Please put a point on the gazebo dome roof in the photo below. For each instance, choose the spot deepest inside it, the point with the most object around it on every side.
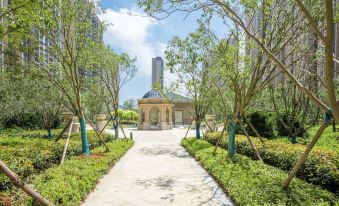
(152, 94)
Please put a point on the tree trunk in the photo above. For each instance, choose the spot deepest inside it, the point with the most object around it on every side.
(84, 140)
(231, 130)
(305, 154)
(329, 63)
(116, 122)
(20, 184)
(197, 130)
(116, 129)
(49, 133)
(220, 137)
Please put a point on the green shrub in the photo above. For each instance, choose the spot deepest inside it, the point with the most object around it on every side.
(298, 128)
(129, 116)
(28, 156)
(128, 122)
(70, 183)
(19, 132)
(320, 168)
(262, 123)
(250, 182)
(30, 121)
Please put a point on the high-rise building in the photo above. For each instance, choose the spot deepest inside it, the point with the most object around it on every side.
(158, 72)
(41, 54)
(255, 26)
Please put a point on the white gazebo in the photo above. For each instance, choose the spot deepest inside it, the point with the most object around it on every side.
(154, 112)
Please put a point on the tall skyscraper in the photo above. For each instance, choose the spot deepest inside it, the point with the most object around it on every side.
(158, 71)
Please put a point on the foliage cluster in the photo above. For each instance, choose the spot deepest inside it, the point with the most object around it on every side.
(298, 128)
(320, 168)
(29, 156)
(270, 125)
(250, 182)
(128, 116)
(30, 121)
(70, 183)
(23, 133)
(28, 102)
(262, 122)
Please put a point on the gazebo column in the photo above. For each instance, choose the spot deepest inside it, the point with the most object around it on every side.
(163, 123)
(163, 113)
(140, 117)
(147, 115)
(147, 123)
(170, 123)
(140, 114)
(160, 114)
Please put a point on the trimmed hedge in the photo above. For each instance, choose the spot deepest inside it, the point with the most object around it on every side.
(18, 132)
(250, 182)
(70, 183)
(29, 156)
(262, 123)
(320, 168)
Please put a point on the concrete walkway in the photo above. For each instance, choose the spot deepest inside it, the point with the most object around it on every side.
(157, 171)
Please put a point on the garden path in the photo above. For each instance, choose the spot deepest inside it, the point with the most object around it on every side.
(157, 171)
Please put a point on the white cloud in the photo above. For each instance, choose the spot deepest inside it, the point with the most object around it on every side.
(128, 30)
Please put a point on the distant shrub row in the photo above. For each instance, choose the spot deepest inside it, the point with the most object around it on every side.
(266, 123)
(30, 121)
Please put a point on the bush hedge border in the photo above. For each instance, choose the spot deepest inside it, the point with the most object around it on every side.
(253, 182)
(70, 183)
(320, 168)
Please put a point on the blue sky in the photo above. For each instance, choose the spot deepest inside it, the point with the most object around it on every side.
(129, 30)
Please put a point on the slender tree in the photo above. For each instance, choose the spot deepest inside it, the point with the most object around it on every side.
(68, 31)
(188, 59)
(114, 72)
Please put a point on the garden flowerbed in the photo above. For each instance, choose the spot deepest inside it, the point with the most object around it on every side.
(250, 182)
(320, 168)
(70, 183)
(29, 156)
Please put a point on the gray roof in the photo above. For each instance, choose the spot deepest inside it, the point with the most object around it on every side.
(176, 97)
(152, 94)
(169, 95)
